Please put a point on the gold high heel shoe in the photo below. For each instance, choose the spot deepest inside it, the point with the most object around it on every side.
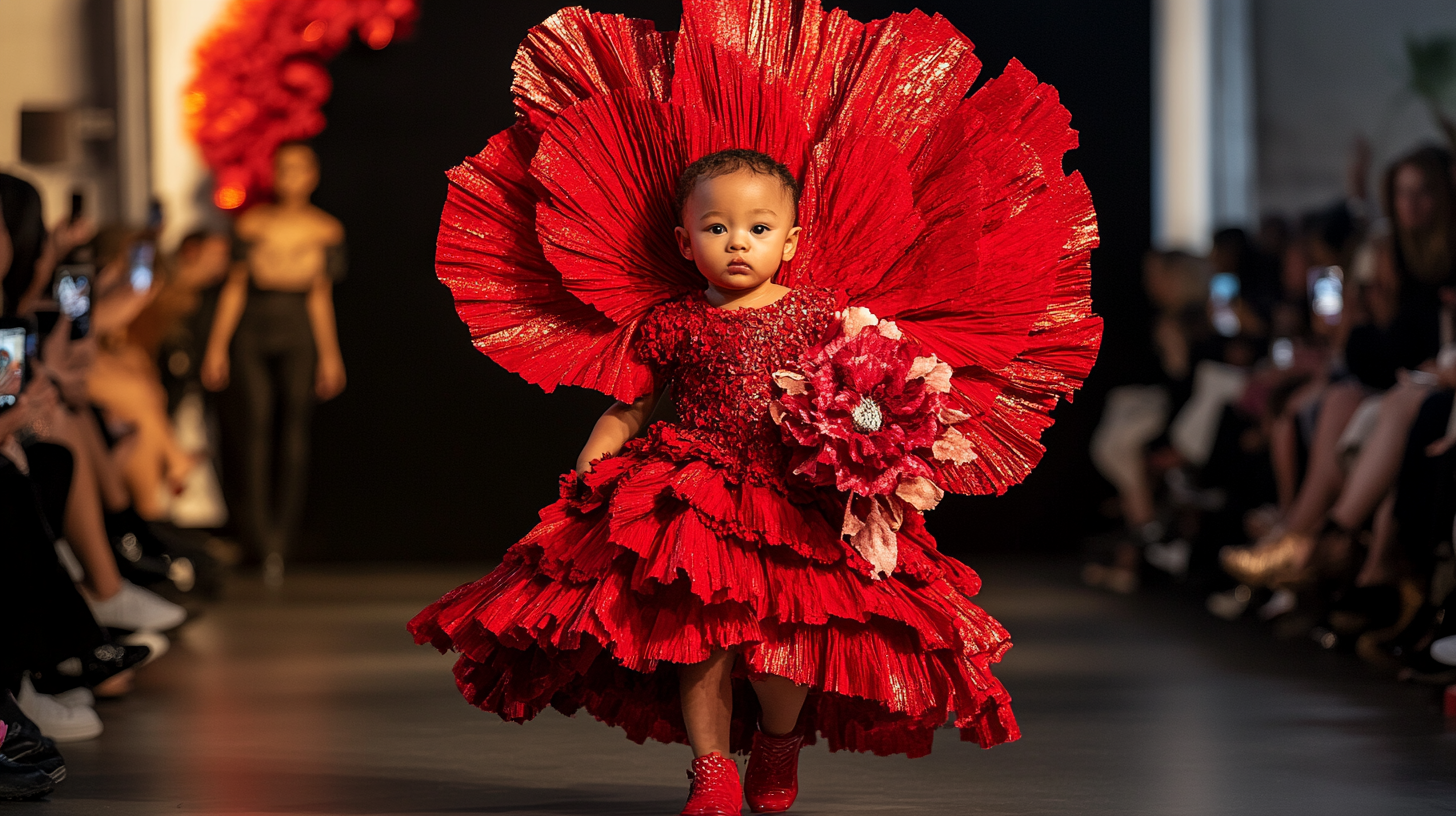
(1278, 563)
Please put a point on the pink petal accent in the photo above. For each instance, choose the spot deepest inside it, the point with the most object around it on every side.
(852, 524)
(776, 411)
(876, 541)
(856, 318)
(921, 367)
(953, 447)
(791, 381)
(920, 493)
(938, 380)
(889, 329)
(950, 416)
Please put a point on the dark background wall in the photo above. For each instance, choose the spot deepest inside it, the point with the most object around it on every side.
(434, 452)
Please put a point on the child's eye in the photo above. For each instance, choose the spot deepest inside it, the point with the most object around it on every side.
(717, 229)
(760, 229)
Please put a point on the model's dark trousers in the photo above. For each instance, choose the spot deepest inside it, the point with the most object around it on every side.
(273, 364)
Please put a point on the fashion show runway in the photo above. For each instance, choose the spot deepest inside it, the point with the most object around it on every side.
(316, 702)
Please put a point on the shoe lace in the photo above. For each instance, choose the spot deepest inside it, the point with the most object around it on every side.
(775, 760)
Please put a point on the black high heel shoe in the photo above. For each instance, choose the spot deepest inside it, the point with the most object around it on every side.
(1393, 647)
(91, 670)
(1356, 610)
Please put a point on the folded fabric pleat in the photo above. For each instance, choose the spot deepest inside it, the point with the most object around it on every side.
(657, 559)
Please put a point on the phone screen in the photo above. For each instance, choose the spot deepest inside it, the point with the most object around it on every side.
(12, 365)
(1327, 293)
(143, 257)
(73, 293)
(1223, 288)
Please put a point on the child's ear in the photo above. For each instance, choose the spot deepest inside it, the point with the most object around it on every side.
(791, 246)
(684, 243)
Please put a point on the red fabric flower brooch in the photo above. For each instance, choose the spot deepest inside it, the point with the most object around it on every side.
(866, 413)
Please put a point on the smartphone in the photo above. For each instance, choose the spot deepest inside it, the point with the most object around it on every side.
(78, 206)
(73, 293)
(1327, 293)
(143, 261)
(1223, 289)
(17, 344)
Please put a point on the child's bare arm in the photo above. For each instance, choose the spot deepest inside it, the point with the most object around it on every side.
(620, 423)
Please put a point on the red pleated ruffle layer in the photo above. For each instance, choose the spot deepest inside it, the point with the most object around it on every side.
(656, 558)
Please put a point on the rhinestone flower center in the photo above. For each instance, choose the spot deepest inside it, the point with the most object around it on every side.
(867, 416)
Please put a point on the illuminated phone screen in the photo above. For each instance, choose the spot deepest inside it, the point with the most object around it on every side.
(12, 364)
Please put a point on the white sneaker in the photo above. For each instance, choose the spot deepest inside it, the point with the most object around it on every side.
(1171, 558)
(155, 641)
(55, 719)
(1281, 602)
(1444, 650)
(79, 696)
(135, 608)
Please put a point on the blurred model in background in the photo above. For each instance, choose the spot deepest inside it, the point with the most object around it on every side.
(274, 339)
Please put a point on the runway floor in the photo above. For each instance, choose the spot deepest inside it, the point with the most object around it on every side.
(316, 702)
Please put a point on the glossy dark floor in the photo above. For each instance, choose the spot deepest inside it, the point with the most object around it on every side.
(316, 702)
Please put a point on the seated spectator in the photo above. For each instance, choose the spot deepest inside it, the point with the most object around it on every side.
(1136, 415)
(1333, 502)
(61, 493)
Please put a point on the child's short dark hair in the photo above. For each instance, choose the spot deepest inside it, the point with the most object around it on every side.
(728, 161)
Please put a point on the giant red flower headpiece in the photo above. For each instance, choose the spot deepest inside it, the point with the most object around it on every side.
(949, 214)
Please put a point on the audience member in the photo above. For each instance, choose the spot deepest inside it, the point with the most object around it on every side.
(1317, 419)
(71, 440)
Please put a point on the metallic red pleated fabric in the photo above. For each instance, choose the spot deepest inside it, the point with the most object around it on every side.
(949, 214)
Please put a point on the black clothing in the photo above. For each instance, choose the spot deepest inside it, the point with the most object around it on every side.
(23, 220)
(1375, 354)
(273, 365)
(1425, 497)
(47, 621)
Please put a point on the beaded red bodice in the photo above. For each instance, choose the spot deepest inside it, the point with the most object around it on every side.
(720, 362)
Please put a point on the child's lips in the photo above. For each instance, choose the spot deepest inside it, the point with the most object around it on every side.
(740, 265)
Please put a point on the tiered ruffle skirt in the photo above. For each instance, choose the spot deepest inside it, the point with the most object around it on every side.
(657, 558)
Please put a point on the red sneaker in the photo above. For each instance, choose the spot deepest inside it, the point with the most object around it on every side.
(772, 781)
(716, 790)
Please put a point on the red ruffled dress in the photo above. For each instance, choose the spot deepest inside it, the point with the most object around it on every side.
(946, 212)
(691, 540)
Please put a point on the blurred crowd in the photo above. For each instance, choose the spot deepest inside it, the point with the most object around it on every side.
(107, 483)
(1289, 451)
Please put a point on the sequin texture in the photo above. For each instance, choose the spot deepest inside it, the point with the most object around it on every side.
(720, 363)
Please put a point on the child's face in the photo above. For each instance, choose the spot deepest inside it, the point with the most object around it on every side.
(738, 228)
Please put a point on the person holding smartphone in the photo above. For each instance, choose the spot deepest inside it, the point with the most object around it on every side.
(34, 251)
(274, 339)
(1365, 418)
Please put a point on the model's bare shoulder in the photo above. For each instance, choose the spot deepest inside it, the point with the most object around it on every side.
(254, 221)
(331, 229)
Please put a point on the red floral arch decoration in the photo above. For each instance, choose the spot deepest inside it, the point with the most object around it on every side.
(261, 81)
